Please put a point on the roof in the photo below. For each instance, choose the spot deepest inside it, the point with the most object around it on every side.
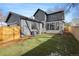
(39, 10)
(22, 17)
(56, 12)
(47, 13)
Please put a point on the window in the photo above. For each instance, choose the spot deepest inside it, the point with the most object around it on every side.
(47, 26)
(33, 25)
(52, 26)
(57, 25)
(42, 25)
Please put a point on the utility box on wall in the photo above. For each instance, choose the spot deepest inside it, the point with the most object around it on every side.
(8, 33)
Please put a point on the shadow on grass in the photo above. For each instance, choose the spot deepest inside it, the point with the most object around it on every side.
(65, 45)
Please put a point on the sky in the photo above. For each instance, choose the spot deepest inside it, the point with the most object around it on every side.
(28, 9)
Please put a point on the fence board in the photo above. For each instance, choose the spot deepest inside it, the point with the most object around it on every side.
(75, 32)
(9, 33)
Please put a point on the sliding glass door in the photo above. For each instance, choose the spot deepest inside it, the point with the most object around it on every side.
(52, 26)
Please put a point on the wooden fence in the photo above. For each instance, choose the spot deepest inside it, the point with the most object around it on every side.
(74, 31)
(8, 33)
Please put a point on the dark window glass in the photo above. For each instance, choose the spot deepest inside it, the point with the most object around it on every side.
(57, 25)
(52, 25)
(47, 27)
(33, 26)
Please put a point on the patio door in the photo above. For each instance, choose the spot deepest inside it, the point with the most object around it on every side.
(52, 26)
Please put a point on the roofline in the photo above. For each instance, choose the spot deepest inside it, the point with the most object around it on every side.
(47, 13)
(56, 12)
(8, 16)
(21, 16)
(39, 10)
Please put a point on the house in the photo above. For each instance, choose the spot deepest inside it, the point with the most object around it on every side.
(2, 17)
(28, 25)
(52, 23)
(75, 22)
(41, 23)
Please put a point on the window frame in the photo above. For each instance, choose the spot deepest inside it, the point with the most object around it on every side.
(49, 27)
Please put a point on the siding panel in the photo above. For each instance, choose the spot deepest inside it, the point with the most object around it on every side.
(40, 16)
(14, 18)
(53, 17)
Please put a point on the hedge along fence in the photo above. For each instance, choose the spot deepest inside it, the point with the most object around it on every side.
(8, 33)
(75, 31)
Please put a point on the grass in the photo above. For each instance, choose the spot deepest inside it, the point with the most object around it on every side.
(44, 45)
(65, 45)
(27, 45)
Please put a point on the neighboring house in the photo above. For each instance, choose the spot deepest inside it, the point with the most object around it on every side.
(75, 22)
(28, 26)
(2, 17)
(52, 23)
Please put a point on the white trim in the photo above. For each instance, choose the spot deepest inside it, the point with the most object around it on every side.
(54, 24)
(45, 23)
(61, 27)
(53, 31)
(53, 21)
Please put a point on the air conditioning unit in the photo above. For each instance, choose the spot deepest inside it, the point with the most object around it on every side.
(34, 33)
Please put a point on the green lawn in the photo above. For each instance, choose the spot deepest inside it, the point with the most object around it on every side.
(65, 45)
(27, 45)
(45, 44)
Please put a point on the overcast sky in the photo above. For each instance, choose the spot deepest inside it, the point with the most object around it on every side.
(29, 9)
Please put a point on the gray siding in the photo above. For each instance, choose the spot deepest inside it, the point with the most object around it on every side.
(60, 25)
(14, 18)
(53, 17)
(40, 16)
(24, 28)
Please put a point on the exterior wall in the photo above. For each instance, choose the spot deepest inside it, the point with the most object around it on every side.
(25, 24)
(24, 28)
(45, 23)
(53, 17)
(40, 29)
(61, 28)
(38, 26)
(35, 27)
(40, 16)
(14, 18)
(29, 24)
(62, 25)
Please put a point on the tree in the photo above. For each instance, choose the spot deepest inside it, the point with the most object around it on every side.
(69, 6)
(1, 15)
